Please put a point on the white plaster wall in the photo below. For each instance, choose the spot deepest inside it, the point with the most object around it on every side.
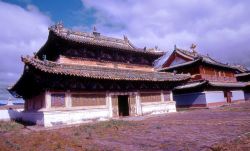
(10, 114)
(158, 108)
(238, 95)
(215, 96)
(74, 116)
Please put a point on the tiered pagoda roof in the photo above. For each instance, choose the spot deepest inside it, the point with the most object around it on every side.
(45, 70)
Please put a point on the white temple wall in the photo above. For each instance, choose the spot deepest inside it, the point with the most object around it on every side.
(164, 105)
(67, 114)
(158, 108)
(215, 96)
(52, 118)
(238, 95)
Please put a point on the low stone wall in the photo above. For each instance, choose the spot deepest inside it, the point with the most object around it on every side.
(34, 117)
(158, 108)
(215, 98)
(52, 118)
(237, 95)
(10, 114)
(216, 104)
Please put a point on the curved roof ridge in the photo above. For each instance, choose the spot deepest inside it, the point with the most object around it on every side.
(188, 53)
(96, 38)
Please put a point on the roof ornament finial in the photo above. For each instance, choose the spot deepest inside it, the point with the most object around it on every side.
(175, 47)
(59, 25)
(94, 29)
(156, 47)
(95, 33)
(125, 38)
(193, 46)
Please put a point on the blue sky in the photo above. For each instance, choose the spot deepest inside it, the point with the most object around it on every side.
(219, 28)
(68, 11)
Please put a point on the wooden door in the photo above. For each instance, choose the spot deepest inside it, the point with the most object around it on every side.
(132, 105)
(229, 95)
(115, 110)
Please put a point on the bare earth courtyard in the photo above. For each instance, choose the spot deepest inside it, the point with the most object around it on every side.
(224, 128)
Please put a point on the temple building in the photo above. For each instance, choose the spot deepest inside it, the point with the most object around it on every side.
(212, 83)
(79, 77)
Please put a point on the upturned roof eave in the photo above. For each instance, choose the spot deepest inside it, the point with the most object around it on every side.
(157, 76)
(171, 68)
(204, 83)
(230, 85)
(218, 65)
(242, 74)
(191, 85)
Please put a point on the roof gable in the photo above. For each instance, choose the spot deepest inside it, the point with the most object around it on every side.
(191, 57)
(177, 58)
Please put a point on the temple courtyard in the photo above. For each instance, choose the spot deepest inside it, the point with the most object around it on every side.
(223, 128)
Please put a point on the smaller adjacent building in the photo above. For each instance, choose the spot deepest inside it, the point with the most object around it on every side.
(245, 77)
(212, 84)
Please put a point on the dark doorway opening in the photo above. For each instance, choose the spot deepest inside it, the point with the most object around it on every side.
(123, 105)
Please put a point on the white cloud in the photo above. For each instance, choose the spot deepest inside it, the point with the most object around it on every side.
(23, 31)
(220, 28)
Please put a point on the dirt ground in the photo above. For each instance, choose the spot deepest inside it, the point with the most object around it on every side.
(224, 128)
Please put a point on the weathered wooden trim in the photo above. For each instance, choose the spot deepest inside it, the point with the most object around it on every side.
(138, 103)
(48, 99)
(109, 104)
(171, 96)
(68, 100)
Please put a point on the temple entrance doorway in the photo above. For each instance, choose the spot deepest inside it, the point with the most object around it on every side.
(123, 105)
